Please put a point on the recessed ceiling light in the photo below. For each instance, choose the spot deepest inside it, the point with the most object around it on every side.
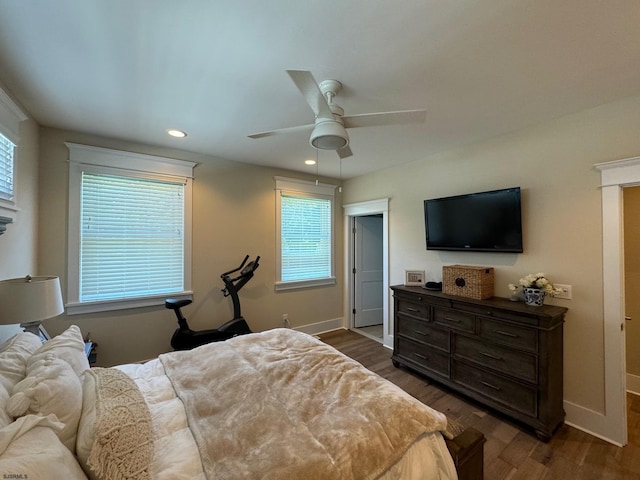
(310, 161)
(176, 133)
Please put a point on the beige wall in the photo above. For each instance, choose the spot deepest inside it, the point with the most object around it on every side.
(18, 245)
(632, 277)
(233, 215)
(553, 163)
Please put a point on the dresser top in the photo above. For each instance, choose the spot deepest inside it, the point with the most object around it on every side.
(493, 302)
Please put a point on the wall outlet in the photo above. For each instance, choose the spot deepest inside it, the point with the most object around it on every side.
(285, 320)
(567, 293)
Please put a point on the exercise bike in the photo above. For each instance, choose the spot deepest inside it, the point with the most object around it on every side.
(185, 339)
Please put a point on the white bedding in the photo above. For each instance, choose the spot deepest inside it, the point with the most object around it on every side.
(133, 417)
(176, 453)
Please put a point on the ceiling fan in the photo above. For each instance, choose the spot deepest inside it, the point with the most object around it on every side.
(328, 132)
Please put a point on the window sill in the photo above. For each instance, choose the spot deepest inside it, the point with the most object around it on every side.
(298, 284)
(79, 308)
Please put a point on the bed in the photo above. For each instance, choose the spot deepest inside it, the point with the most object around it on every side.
(274, 405)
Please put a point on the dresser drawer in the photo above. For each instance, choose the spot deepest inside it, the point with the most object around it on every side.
(455, 319)
(496, 388)
(423, 332)
(426, 357)
(515, 336)
(414, 309)
(518, 364)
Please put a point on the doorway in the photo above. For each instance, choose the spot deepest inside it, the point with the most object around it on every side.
(631, 227)
(374, 214)
(615, 176)
(367, 275)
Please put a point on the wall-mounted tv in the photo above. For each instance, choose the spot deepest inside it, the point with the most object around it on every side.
(476, 222)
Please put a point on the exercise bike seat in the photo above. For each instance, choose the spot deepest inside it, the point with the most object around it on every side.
(175, 304)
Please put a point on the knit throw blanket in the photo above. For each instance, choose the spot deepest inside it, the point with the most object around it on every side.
(282, 405)
(123, 444)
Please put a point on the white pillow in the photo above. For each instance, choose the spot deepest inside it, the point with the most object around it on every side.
(37, 453)
(51, 387)
(68, 346)
(14, 354)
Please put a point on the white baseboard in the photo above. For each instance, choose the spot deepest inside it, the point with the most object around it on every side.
(633, 384)
(322, 327)
(591, 422)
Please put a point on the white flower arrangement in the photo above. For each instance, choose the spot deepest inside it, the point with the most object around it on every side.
(539, 281)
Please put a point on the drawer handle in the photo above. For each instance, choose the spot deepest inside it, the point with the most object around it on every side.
(422, 357)
(420, 332)
(506, 334)
(412, 309)
(451, 319)
(490, 355)
(490, 386)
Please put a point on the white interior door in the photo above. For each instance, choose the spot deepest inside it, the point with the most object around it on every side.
(368, 277)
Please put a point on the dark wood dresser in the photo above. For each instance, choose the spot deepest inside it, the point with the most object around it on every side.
(503, 354)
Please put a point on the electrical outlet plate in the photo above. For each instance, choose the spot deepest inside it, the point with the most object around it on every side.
(566, 294)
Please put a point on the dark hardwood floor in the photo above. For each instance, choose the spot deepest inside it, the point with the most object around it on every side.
(511, 452)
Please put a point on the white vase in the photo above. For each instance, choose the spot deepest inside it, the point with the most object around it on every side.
(534, 296)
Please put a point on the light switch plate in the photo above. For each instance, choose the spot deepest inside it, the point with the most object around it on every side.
(567, 292)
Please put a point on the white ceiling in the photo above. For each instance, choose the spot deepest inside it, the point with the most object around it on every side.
(216, 69)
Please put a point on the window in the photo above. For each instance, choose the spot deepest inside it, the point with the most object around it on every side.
(6, 169)
(10, 118)
(129, 229)
(304, 234)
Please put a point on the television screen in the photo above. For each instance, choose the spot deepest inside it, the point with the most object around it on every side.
(478, 222)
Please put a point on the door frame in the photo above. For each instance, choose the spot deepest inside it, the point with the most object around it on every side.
(371, 207)
(615, 175)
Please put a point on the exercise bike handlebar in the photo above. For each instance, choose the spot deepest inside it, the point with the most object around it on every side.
(236, 269)
(233, 285)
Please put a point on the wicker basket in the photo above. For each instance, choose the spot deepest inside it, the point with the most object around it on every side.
(467, 281)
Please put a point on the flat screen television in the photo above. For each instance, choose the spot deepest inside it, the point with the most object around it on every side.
(476, 222)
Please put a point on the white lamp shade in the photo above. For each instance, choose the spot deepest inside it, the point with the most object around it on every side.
(30, 299)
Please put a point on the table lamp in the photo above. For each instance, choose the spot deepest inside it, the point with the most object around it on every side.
(30, 300)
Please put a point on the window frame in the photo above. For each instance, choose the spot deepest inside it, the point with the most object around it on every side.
(84, 158)
(302, 188)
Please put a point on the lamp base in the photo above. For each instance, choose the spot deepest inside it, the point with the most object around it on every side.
(31, 327)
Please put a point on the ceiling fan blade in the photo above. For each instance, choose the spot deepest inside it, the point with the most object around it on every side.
(384, 118)
(344, 152)
(311, 92)
(299, 128)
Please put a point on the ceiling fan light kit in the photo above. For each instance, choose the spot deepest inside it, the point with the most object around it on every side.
(329, 135)
(330, 125)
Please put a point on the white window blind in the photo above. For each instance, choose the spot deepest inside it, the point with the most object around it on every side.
(304, 234)
(131, 237)
(306, 238)
(6, 169)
